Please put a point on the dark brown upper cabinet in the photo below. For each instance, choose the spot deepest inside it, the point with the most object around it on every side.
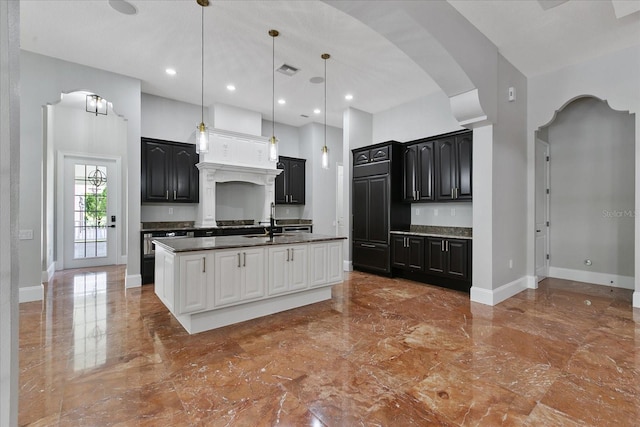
(291, 182)
(438, 169)
(169, 172)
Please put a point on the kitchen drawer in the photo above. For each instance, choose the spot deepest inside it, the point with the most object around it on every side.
(373, 257)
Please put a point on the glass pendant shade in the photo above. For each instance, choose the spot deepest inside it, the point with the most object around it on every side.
(325, 157)
(273, 149)
(202, 138)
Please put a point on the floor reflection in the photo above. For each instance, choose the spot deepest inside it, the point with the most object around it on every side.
(89, 320)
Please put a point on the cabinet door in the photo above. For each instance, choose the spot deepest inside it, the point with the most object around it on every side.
(252, 274)
(296, 179)
(371, 256)
(281, 182)
(435, 260)
(156, 171)
(379, 154)
(410, 173)
(193, 283)
(399, 251)
(446, 160)
(278, 273)
(415, 247)
(185, 174)
(426, 173)
(378, 226)
(457, 259)
(334, 262)
(361, 209)
(298, 264)
(464, 149)
(318, 264)
(227, 277)
(361, 157)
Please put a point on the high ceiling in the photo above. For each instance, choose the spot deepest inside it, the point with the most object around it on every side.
(238, 49)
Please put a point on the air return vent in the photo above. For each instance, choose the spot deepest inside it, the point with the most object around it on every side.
(287, 70)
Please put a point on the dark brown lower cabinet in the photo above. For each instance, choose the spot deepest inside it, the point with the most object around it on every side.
(448, 257)
(371, 256)
(407, 252)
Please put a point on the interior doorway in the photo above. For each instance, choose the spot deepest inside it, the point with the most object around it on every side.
(542, 189)
(90, 210)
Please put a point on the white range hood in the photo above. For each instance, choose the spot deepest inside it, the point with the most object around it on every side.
(234, 157)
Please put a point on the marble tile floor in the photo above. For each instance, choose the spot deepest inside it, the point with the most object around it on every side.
(382, 352)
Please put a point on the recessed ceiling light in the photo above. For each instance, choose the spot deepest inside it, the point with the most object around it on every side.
(316, 111)
(231, 88)
(348, 97)
(281, 101)
(123, 6)
(170, 71)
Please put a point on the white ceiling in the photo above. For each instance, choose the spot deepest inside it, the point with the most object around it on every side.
(166, 33)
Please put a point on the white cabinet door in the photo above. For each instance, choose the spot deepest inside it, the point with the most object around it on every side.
(278, 274)
(335, 269)
(317, 264)
(193, 280)
(252, 274)
(227, 272)
(298, 268)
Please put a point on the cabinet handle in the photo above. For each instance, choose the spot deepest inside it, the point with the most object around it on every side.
(167, 195)
(287, 255)
(446, 246)
(174, 194)
(452, 193)
(204, 264)
(442, 245)
(418, 194)
(238, 259)
(367, 245)
(244, 259)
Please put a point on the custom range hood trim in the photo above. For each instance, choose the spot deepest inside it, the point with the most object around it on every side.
(213, 173)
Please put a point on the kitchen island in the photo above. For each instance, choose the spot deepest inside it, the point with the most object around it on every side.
(210, 282)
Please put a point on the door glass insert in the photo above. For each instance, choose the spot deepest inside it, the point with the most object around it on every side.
(90, 211)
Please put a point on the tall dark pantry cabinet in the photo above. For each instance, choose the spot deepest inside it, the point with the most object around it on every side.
(377, 205)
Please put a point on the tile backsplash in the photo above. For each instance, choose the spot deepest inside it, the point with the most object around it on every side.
(453, 214)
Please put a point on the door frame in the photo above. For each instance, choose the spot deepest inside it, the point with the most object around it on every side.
(59, 200)
(339, 196)
(547, 149)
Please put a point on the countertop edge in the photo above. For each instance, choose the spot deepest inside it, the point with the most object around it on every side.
(249, 243)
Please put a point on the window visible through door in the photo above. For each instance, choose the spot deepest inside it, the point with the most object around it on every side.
(90, 211)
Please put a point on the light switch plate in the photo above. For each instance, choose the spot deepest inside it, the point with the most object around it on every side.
(25, 235)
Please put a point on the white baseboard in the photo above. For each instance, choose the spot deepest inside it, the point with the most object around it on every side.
(347, 265)
(496, 296)
(48, 273)
(636, 299)
(31, 293)
(532, 282)
(615, 280)
(132, 281)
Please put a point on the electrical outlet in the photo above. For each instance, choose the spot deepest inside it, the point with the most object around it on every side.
(25, 235)
(453, 211)
(287, 211)
(510, 263)
(417, 211)
(435, 212)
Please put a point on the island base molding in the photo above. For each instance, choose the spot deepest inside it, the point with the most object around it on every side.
(200, 322)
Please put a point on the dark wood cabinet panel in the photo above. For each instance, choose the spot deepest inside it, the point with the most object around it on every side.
(438, 169)
(448, 257)
(169, 172)
(407, 252)
(377, 205)
(290, 184)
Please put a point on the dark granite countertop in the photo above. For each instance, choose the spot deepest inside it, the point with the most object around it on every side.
(190, 225)
(189, 244)
(438, 231)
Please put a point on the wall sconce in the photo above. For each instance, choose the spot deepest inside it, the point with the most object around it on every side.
(96, 104)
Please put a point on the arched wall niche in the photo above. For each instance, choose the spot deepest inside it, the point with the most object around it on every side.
(593, 197)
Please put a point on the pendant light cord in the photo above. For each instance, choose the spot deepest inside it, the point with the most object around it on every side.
(273, 87)
(325, 102)
(202, 69)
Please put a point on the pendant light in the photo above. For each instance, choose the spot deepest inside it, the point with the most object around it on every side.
(325, 149)
(202, 133)
(273, 141)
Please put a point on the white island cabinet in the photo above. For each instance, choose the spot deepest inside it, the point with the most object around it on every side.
(210, 282)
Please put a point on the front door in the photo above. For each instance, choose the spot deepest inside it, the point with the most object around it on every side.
(90, 196)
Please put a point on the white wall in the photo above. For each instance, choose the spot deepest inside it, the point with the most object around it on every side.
(9, 181)
(43, 80)
(592, 188)
(612, 78)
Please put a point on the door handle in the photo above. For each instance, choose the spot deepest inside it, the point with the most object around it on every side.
(112, 226)
(537, 231)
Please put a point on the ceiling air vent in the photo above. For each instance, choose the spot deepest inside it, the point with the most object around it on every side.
(287, 70)
(304, 115)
